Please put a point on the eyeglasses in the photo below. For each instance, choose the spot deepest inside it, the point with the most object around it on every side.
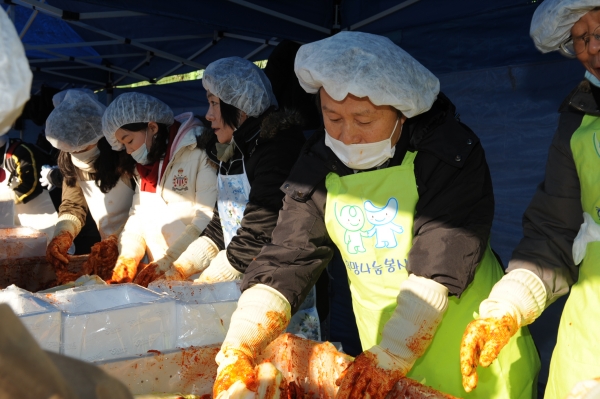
(574, 46)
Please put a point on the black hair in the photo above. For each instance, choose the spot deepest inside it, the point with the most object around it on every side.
(160, 140)
(231, 115)
(108, 167)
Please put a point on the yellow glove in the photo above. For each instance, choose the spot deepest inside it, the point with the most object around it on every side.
(516, 300)
(219, 270)
(262, 314)
(421, 306)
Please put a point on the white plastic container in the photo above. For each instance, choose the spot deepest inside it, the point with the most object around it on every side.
(21, 242)
(114, 321)
(41, 319)
(203, 310)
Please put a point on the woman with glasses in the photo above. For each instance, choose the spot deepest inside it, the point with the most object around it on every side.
(560, 249)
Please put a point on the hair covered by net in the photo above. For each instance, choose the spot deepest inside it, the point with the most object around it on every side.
(76, 122)
(553, 19)
(60, 96)
(133, 108)
(367, 65)
(240, 83)
(16, 76)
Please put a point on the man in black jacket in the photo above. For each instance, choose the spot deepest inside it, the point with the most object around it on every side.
(402, 188)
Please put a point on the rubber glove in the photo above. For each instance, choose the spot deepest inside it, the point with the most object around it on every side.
(66, 229)
(421, 306)
(516, 300)
(588, 389)
(262, 314)
(194, 259)
(44, 180)
(219, 270)
(103, 258)
(132, 248)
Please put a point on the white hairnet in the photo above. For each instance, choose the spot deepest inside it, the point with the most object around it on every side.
(59, 97)
(15, 75)
(76, 122)
(553, 19)
(240, 83)
(133, 108)
(367, 65)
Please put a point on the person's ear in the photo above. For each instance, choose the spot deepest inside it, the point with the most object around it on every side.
(152, 128)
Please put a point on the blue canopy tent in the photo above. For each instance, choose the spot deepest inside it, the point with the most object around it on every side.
(504, 89)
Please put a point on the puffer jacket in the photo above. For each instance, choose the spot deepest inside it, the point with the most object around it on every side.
(553, 218)
(269, 146)
(453, 215)
(188, 188)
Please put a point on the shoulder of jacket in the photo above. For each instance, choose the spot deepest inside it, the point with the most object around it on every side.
(440, 132)
(280, 120)
(580, 99)
(315, 162)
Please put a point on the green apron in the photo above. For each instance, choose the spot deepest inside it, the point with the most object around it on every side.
(576, 356)
(369, 217)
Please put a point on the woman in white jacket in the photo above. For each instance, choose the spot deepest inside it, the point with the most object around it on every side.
(94, 178)
(176, 186)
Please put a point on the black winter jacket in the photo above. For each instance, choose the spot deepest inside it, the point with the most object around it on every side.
(270, 145)
(24, 168)
(453, 214)
(553, 218)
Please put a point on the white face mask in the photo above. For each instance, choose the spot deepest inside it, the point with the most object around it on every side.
(363, 156)
(85, 160)
(141, 154)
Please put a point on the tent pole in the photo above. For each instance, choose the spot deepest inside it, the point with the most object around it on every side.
(29, 22)
(109, 89)
(260, 48)
(135, 68)
(279, 15)
(92, 65)
(191, 57)
(382, 14)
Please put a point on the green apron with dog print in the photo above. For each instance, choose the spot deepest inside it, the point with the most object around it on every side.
(369, 217)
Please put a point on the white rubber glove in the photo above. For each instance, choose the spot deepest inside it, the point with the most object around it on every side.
(520, 294)
(195, 258)
(262, 314)
(66, 229)
(516, 300)
(45, 182)
(421, 306)
(219, 270)
(588, 232)
(189, 235)
(132, 248)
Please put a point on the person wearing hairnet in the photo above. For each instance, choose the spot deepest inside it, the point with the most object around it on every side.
(176, 186)
(255, 146)
(94, 177)
(561, 226)
(20, 164)
(25, 370)
(402, 188)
